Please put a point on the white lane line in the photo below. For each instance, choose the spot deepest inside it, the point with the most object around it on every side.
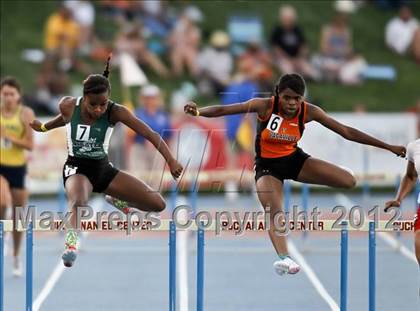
(49, 285)
(59, 269)
(385, 236)
(310, 274)
(394, 243)
(312, 277)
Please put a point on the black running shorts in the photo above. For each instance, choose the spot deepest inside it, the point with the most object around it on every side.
(287, 167)
(15, 175)
(99, 172)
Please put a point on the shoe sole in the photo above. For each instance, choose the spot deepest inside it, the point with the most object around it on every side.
(68, 258)
(281, 270)
(17, 274)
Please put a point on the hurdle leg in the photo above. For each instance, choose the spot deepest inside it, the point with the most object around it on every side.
(172, 251)
(344, 266)
(200, 269)
(172, 266)
(29, 265)
(1, 265)
(398, 233)
(305, 201)
(193, 195)
(372, 266)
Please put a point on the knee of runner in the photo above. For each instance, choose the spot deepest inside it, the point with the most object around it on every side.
(273, 211)
(350, 181)
(160, 205)
(74, 204)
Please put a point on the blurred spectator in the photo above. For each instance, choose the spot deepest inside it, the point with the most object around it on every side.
(390, 4)
(289, 45)
(242, 88)
(52, 84)
(215, 64)
(184, 42)
(402, 34)
(156, 17)
(84, 14)
(118, 10)
(258, 63)
(62, 36)
(338, 61)
(347, 6)
(131, 40)
(151, 112)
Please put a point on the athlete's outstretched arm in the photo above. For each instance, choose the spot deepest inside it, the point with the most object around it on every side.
(122, 114)
(317, 114)
(66, 106)
(407, 184)
(258, 105)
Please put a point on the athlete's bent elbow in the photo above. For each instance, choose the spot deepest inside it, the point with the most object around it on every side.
(152, 136)
(347, 133)
(160, 206)
(348, 180)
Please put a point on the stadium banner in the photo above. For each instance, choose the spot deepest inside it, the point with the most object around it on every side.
(381, 167)
(46, 160)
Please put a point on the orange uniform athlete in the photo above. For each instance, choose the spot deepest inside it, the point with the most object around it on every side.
(280, 125)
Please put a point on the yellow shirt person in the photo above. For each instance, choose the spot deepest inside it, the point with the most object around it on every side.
(16, 136)
(11, 154)
(62, 31)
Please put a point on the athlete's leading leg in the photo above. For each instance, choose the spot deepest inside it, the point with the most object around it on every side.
(19, 199)
(78, 189)
(315, 171)
(270, 194)
(138, 195)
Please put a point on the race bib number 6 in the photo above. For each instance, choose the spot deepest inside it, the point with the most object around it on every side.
(274, 123)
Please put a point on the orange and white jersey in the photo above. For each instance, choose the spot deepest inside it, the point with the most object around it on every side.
(277, 136)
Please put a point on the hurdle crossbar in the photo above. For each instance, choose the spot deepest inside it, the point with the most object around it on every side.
(328, 225)
(323, 225)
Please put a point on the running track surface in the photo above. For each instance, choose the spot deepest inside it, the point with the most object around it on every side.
(116, 272)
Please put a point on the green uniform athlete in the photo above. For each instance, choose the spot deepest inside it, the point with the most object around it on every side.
(89, 121)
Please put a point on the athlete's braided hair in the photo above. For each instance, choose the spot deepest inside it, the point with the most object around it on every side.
(291, 81)
(96, 83)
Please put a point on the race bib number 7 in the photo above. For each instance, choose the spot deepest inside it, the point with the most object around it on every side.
(83, 132)
(275, 123)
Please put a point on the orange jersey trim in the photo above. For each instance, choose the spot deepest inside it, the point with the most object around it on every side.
(271, 110)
